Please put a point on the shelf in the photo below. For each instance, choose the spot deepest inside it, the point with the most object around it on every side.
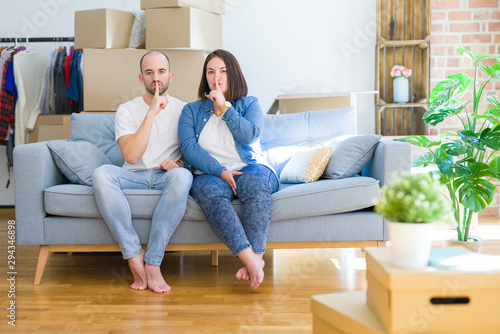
(402, 105)
(421, 43)
(403, 38)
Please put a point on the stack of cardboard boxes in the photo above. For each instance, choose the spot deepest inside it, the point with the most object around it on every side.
(185, 30)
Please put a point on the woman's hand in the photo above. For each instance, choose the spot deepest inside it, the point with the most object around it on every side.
(228, 176)
(217, 98)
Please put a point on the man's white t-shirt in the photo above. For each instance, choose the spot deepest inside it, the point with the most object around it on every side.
(163, 140)
(218, 141)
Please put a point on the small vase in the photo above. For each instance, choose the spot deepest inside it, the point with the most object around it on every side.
(410, 244)
(473, 244)
(400, 90)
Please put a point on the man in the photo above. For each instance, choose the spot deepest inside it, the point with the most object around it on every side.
(146, 131)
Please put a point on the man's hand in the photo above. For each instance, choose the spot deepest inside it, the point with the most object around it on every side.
(159, 102)
(228, 176)
(217, 98)
(168, 164)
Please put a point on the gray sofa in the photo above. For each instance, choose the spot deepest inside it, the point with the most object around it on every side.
(57, 210)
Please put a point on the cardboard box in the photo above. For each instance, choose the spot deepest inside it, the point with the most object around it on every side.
(431, 300)
(213, 6)
(49, 127)
(342, 313)
(184, 27)
(103, 28)
(294, 103)
(111, 77)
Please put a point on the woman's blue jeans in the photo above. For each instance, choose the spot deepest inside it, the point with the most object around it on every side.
(108, 182)
(254, 188)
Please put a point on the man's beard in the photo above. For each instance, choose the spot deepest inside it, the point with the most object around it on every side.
(152, 89)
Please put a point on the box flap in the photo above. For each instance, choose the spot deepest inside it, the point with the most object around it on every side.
(214, 6)
(347, 312)
(378, 262)
(292, 103)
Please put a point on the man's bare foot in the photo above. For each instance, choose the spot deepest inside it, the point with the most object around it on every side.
(254, 266)
(136, 265)
(156, 282)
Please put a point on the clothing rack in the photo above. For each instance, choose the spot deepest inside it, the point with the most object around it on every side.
(35, 39)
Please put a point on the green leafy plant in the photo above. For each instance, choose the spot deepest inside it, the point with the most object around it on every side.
(467, 160)
(411, 199)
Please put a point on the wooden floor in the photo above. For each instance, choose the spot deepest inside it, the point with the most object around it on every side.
(89, 293)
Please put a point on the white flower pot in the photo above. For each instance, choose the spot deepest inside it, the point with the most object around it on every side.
(410, 244)
(400, 90)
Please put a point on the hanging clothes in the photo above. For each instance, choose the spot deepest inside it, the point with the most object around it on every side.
(80, 82)
(67, 72)
(5, 55)
(45, 99)
(2, 62)
(29, 72)
(52, 99)
(7, 105)
(62, 102)
(10, 82)
(72, 91)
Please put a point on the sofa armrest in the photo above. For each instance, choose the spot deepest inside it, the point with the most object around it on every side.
(34, 171)
(389, 157)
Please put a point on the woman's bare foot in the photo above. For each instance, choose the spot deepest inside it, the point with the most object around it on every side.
(156, 282)
(136, 265)
(243, 274)
(254, 267)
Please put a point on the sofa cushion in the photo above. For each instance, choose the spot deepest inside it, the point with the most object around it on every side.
(350, 154)
(291, 202)
(74, 200)
(306, 166)
(323, 197)
(77, 160)
(284, 135)
(98, 129)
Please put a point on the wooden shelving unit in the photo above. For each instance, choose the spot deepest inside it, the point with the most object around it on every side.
(402, 39)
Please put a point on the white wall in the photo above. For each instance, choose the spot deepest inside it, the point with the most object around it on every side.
(285, 43)
(279, 43)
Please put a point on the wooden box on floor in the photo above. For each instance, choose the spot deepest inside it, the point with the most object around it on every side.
(431, 300)
(184, 27)
(48, 127)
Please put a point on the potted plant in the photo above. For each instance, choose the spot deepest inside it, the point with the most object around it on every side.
(467, 159)
(411, 203)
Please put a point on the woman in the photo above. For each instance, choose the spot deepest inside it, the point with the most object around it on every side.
(219, 136)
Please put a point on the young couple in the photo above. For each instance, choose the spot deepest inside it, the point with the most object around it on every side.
(218, 138)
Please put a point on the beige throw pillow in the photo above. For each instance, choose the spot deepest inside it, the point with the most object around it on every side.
(306, 166)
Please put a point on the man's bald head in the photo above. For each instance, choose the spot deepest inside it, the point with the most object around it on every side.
(154, 53)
